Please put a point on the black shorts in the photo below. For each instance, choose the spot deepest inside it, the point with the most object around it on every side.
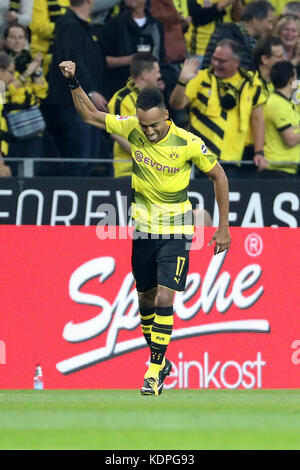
(160, 262)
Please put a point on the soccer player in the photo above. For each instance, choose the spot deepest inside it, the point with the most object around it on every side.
(162, 155)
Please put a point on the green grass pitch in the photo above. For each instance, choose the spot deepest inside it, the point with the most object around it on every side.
(123, 419)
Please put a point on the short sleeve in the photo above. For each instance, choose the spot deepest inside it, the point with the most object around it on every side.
(120, 125)
(200, 155)
(281, 117)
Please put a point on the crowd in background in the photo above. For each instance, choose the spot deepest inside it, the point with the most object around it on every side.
(229, 71)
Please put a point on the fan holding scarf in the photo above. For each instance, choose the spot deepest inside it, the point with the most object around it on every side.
(224, 101)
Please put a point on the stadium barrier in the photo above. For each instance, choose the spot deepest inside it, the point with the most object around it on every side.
(27, 166)
(68, 302)
(85, 201)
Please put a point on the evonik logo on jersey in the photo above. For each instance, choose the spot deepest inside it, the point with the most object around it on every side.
(123, 313)
(141, 158)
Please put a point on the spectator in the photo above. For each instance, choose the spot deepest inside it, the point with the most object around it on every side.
(144, 71)
(267, 52)
(101, 12)
(205, 16)
(282, 141)
(133, 30)
(6, 76)
(75, 39)
(256, 21)
(165, 11)
(15, 11)
(27, 89)
(45, 15)
(292, 8)
(224, 101)
(288, 29)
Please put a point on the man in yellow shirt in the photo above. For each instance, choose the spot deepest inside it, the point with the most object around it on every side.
(224, 100)
(162, 155)
(282, 142)
(144, 71)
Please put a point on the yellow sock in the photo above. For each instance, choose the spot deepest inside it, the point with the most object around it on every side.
(153, 371)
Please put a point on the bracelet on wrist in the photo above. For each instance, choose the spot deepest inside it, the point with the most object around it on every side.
(179, 82)
(73, 83)
(259, 152)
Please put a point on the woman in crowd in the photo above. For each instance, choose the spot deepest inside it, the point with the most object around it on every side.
(26, 90)
(288, 29)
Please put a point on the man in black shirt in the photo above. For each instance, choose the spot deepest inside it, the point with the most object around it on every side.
(133, 30)
(75, 39)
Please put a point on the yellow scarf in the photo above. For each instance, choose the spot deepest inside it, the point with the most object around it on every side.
(242, 96)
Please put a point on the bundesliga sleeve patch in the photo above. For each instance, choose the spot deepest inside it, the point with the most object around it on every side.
(121, 118)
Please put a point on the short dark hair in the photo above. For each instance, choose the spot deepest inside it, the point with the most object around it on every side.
(233, 45)
(264, 47)
(150, 97)
(281, 73)
(5, 60)
(14, 25)
(141, 61)
(258, 9)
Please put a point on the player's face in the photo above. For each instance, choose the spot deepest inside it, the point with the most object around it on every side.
(153, 123)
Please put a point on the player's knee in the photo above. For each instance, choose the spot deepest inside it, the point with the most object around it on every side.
(146, 299)
(164, 297)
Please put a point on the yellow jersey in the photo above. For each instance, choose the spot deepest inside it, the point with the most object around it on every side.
(123, 103)
(223, 131)
(3, 131)
(197, 37)
(182, 7)
(266, 88)
(160, 175)
(42, 27)
(280, 113)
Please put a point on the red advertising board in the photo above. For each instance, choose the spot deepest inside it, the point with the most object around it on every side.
(68, 301)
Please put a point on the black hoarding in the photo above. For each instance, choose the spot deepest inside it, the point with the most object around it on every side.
(85, 201)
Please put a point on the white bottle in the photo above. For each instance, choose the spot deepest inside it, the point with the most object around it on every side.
(38, 383)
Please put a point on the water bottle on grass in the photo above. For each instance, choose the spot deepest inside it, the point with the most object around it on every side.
(38, 383)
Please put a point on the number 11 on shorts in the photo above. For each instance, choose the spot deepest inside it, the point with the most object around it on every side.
(179, 268)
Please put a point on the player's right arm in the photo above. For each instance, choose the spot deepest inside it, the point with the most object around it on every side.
(85, 108)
